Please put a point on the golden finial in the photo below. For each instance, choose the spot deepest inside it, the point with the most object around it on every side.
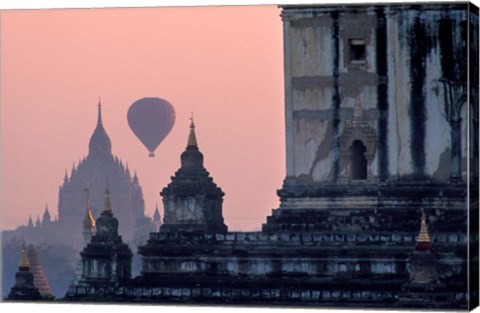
(192, 138)
(88, 221)
(423, 238)
(24, 263)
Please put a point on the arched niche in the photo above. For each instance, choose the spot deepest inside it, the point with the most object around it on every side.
(358, 144)
(358, 161)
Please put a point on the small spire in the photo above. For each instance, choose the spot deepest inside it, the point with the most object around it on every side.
(107, 209)
(74, 171)
(99, 122)
(423, 238)
(46, 215)
(127, 171)
(37, 222)
(24, 263)
(65, 178)
(156, 214)
(30, 223)
(192, 138)
(135, 177)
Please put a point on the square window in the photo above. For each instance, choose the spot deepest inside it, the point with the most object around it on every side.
(357, 50)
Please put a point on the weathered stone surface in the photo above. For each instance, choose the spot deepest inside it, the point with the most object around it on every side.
(396, 75)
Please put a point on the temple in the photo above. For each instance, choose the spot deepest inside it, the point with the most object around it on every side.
(377, 112)
(24, 288)
(40, 281)
(88, 177)
(192, 201)
(66, 234)
(379, 206)
(91, 175)
(106, 259)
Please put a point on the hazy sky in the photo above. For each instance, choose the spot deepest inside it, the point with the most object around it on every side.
(223, 63)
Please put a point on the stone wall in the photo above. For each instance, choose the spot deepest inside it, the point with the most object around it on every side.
(332, 257)
(392, 89)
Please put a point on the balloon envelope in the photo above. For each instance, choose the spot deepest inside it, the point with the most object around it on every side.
(151, 119)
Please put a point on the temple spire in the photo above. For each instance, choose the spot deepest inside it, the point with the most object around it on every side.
(99, 122)
(127, 171)
(100, 144)
(30, 223)
(156, 214)
(46, 215)
(24, 263)
(88, 221)
(88, 225)
(135, 177)
(423, 238)
(192, 157)
(24, 288)
(192, 138)
(107, 209)
(74, 170)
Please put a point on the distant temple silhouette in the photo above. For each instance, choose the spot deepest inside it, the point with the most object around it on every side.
(90, 176)
(92, 173)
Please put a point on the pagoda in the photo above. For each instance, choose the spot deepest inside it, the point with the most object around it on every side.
(192, 201)
(106, 259)
(24, 288)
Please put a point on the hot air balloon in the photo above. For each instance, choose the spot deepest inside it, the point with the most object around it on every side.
(151, 119)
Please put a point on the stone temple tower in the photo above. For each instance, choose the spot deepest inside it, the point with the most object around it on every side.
(24, 288)
(377, 114)
(106, 259)
(192, 201)
(365, 98)
(381, 119)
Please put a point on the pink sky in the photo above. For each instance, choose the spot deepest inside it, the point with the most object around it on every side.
(223, 63)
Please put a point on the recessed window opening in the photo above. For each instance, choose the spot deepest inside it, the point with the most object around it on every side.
(358, 162)
(357, 50)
